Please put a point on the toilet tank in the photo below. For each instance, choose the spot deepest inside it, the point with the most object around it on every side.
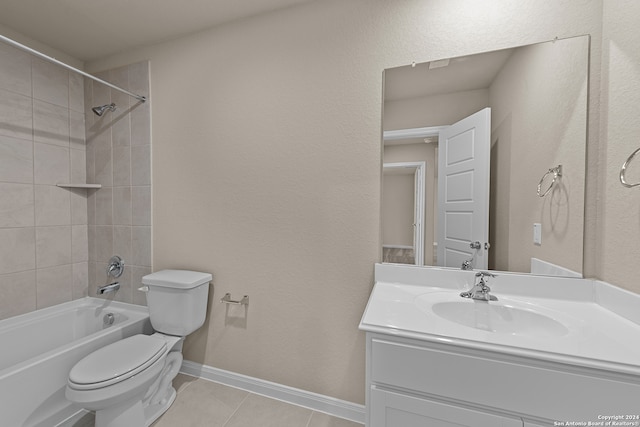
(177, 300)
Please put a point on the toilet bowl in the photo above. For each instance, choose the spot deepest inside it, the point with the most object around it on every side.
(117, 377)
(128, 383)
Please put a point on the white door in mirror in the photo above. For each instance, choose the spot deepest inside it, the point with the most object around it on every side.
(463, 191)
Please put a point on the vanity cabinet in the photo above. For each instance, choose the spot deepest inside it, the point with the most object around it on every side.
(390, 408)
(411, 382)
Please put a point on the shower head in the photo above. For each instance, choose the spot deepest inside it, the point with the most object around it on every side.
(101, 109)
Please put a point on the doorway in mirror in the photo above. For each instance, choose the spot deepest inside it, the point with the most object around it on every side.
(403, 212)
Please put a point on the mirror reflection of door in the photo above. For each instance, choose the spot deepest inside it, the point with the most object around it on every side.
(461, 207)
(403, 212)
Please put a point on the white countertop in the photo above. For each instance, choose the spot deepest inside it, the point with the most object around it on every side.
(596, 335)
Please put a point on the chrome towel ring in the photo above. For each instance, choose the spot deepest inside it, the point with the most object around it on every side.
(557, 172)
(623, 181)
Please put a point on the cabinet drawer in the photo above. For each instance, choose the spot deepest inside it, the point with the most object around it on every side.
(390, 409)
(546, 393)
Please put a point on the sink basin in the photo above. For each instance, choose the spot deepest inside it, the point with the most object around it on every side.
(495, 316)
(565, 320)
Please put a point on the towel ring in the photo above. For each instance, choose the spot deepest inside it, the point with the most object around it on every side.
(557, 172)
(623, 181)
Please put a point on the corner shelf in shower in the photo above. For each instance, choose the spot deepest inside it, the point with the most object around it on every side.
(70, 185)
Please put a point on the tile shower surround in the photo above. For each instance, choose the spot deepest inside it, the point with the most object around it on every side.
(53, 240)
(119, 158)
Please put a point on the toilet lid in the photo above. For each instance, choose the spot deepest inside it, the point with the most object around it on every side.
(118, 361)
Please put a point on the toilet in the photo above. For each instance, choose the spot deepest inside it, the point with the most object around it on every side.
(129, 383)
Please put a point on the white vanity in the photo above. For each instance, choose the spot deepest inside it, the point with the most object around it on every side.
(549, 352)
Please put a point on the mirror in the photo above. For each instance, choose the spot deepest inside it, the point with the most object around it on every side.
(530, 202)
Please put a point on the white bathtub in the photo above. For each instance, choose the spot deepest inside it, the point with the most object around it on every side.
(38, 349)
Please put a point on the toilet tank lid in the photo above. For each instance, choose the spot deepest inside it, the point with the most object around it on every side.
(182, 279)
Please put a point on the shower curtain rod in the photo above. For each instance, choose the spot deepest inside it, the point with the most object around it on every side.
(69, 67)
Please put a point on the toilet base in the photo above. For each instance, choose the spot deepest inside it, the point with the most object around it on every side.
(133, 413)
(126, 414)
(153, 412)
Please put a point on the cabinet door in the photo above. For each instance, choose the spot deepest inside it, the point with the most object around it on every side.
(390, 409)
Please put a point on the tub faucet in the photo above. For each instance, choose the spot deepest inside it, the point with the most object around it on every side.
(480, 291)
(112, 287)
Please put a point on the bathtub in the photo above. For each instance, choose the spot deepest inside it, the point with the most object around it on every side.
(38, 349)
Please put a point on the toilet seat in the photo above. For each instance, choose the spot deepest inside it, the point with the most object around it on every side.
(117, 362)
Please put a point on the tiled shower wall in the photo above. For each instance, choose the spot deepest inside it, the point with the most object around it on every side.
(43, 228)
(53, 241)
(119, 158)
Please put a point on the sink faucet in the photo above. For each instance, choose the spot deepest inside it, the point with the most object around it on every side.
(480, 290)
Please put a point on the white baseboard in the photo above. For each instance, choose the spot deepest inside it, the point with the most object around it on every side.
(317, 402)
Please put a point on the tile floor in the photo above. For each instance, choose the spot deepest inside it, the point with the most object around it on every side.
(202, 403)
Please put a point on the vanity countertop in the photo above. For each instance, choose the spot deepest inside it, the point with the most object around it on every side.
(577, 321)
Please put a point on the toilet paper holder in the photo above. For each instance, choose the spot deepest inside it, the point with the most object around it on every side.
(227, 300)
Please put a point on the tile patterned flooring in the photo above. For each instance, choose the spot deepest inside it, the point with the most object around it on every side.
(202, 403)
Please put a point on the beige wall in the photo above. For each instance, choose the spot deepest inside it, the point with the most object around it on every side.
(619, 229)
(398, 209)
(40, 46)
(437, 110)
(538, 103)
(266, 165)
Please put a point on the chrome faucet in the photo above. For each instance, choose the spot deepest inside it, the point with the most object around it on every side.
(480, 291)
(114, 269)
(111, 287)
